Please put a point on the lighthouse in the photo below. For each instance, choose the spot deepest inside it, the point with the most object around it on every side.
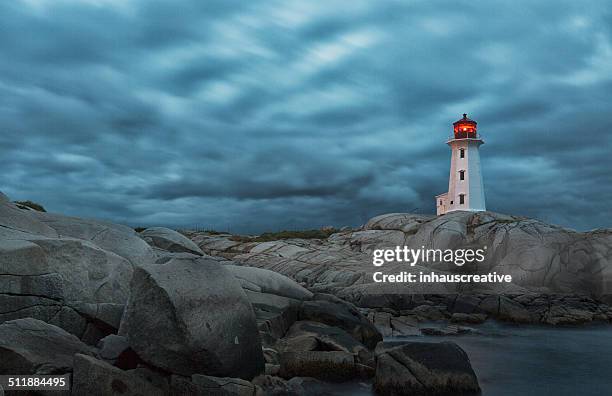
(465, 186)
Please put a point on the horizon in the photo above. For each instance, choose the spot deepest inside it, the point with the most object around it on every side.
(287, 116)
(223, 230)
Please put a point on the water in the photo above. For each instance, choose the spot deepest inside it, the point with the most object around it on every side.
(532, 360)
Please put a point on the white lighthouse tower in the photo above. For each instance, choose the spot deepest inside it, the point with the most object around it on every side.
(465, 187)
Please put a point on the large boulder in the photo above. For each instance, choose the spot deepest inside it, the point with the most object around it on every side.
(48, 278)
(66, 282)
(313, 336)
(335, 312)
(274, 314)
(266, 281)
(15, 219)
(119, 239)
(425, 368)
(538, 255)
(170, 240)
(45, 278)
(275, 299)
(93, 377)
(325, 365)
(31, 346)
(191, 316)
(69, 272)
(27, 286)
(88, 272)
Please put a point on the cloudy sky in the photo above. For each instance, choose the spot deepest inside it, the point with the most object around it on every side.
(253, 116)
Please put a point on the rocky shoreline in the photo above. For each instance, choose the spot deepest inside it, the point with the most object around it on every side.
(197, 313)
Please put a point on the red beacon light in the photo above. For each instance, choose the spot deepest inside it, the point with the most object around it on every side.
(465, 128)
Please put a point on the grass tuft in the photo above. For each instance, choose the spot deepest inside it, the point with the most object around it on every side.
(275, 236)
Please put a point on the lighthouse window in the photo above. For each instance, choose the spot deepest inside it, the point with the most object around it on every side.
(461, 153)
(461, 175)
(461, 199)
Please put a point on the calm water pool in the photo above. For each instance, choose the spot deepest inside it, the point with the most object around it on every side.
(531, 360)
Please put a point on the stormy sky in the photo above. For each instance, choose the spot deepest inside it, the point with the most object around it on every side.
(252, 116)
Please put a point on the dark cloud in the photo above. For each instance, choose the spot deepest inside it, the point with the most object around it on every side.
(291, 114)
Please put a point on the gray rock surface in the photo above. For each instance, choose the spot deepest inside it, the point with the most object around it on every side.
(468, 318)
(404, 326)
(275, 299)
(119, 239)
(476, 308)
(31, 346)
(43, 277)
(170, 240)
(52, 265)
(157, 378)
(105, 315)
(181, 385)
(266, 281)
(272, 385)
(192, 316)
(306, 336)
(563, 315)
(48, 310)
(274, 314)
(112, 346)
(450, 330)
(116, 350)
(506, 309)
(163, 256)
(296, 386)
(223, 385)
(14, 219)
(382, 321)
(344, 316)
(203, 385)
(93, 377)
(540, 257)
(88, 273)
(328, 366)
(424, 368)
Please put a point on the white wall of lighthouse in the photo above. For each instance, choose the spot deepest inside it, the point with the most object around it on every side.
(465, 182)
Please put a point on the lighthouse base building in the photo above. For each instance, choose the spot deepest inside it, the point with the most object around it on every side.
(465, 185)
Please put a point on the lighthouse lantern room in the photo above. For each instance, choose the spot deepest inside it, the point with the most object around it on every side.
(465, 186)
